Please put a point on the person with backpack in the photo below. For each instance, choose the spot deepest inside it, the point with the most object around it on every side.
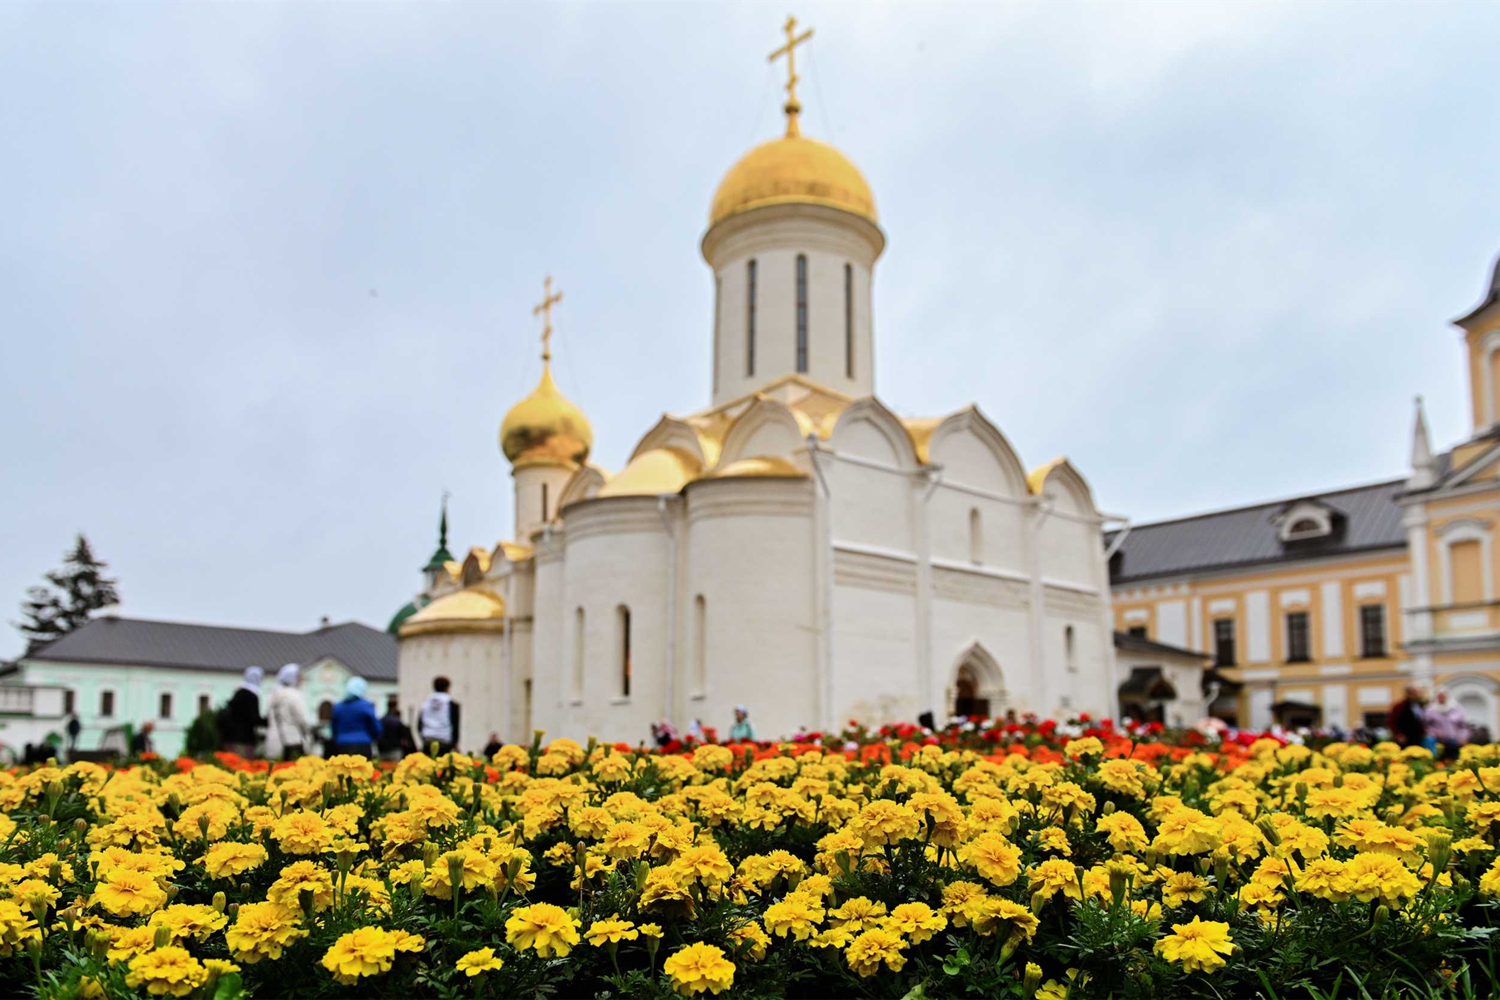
(239, 720)
(356, 730)
(438, 720)
(289, 729)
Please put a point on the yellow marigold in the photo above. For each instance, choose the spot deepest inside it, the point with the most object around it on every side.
(858, 914)
(699, 967)
(612, 930)
(476, 963)
(996, 859)
(299, 877)
(303, 833)
(1184, 887)
(990, 915)
(749, 939)
(1124, 831)
(262, 930)
(1338, 803)
(127, 942)
(189, 920)
(169, 969)
(1324, 878)
(1083, 747)
(705, 863)
(875, 946)
(1053, 876)
(1198, 945)
(228, 859)
(16, 927)
(128, 893)
(1259, 894)
(1370, 876)
(34, 892)
(350, 765)
(1124, 776)
(1489, 882)
(885, 821)
(915, 921)
(796, 915)
(367, 951)
(713, 758)
(543, 927)
(1187, 831)
(626, 840)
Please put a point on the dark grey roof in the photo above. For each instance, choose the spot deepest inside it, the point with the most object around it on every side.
(1247, 536)
(1138, 644)
(368, 652)
(1491, 296)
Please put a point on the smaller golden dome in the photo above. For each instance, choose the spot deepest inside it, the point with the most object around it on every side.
(473, 609)
(760, 467)
(652, 473)
(545, 428)
(793, 170)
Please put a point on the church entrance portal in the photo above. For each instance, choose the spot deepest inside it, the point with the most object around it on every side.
(966, 698)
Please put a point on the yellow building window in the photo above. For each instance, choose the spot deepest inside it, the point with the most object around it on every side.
(1468, 572)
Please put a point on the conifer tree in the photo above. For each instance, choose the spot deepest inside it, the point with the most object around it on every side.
(77, 590)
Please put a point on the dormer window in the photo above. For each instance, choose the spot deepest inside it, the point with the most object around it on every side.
(1305, 519)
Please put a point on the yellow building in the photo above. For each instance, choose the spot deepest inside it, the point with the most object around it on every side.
(1320, 609)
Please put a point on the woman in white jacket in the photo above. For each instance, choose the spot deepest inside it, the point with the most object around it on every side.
(289, 729)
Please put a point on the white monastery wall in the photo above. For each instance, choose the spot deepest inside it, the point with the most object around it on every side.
(875, 658)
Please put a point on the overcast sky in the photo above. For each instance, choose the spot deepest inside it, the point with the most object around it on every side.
(266, 271)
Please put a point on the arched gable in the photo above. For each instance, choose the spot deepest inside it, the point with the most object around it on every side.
(868, 430)
(583, 484)
(1062, 485)
(766, 428)
(972, 451)
(476, 564)
(672, 432)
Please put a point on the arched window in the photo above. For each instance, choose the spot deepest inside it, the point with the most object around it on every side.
(966, 700)
(976, 537)
(700, 644)
(578, 654)
(802, 312)
(750, 317)
(1068, 657)
(849, 320)
(622, 616)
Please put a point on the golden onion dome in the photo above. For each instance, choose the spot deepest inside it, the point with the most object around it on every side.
(652, 473)
(473, 609)
(793, 170)
(545, 428)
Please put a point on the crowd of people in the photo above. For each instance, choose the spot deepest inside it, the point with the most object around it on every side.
(286, 730)
(1437, 723)
(664, 734)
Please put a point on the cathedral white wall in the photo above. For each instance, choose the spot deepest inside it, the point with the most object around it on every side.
(529, 483)
(750, 555)
(773, 237)
(617, 555)
(875, 659)
(548, 670)
(473, 662)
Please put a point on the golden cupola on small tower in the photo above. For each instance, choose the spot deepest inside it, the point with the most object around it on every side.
(546, 428)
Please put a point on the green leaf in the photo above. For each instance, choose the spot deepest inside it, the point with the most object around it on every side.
(231, 987)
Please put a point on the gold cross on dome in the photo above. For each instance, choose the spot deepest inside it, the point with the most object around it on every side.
(544, 310)
(793, 106)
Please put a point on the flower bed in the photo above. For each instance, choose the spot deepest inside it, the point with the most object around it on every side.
(988, 861)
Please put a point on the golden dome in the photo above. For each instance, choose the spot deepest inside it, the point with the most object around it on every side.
(652, 473)
(545, 428)
(473, 609)
(760, 467)
(792, 170)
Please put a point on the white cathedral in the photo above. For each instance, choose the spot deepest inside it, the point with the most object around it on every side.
(794, 547)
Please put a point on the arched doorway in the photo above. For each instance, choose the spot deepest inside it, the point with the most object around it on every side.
(977, 687)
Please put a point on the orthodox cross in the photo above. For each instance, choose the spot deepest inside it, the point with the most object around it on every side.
(544, 310)
(793, 106)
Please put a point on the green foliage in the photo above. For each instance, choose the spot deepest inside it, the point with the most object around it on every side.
(77, 590)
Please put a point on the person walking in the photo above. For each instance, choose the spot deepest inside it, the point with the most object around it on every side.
(74, 727)
(241, 717)
(1406, 722)
(1446, 725)
(355, 728)
(289, 729)
(140, 743)
(395, 735)
(742, 731)
(438, 720)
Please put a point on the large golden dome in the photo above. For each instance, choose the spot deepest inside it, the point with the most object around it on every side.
(792, 170)
(545, 428)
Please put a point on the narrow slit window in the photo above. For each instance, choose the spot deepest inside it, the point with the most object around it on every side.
(700, 644)
(544, 503)
(849, 320)
(578, 654)
(718, 294)
(802, 313)
(624, 616)
(1069, 658)
(750, 318)
(165, 708)
(976, 537)
(107, 704)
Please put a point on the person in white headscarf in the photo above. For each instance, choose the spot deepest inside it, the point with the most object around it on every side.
(289, 729)
(241, 718)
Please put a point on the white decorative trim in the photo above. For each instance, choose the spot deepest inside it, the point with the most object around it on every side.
(1465, 621)
(876, 550)
(1263, 674)
(1292, 598)
(1370, 697)
(1137, 615)
(1465, 530)
(968, 567)
(1298, 694)
(1258, 626)
(1335, 669)
(1370, 588)
(1221, 605)
(1333, 618)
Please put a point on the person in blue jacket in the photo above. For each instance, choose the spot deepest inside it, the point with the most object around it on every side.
(355, 726)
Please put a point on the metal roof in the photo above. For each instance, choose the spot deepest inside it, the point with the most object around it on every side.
(1247, 536)
(368, 652)
(1140, 644)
